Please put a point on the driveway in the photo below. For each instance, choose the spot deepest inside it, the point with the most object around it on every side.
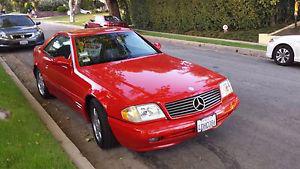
(262, 133)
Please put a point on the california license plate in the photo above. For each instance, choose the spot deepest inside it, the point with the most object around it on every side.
(23, 42)
(206, 123)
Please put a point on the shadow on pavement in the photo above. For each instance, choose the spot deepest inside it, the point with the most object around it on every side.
(16, 49)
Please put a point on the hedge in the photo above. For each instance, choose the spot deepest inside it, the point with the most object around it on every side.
(190, 15)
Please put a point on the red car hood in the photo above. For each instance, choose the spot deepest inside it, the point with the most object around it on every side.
(157, 78)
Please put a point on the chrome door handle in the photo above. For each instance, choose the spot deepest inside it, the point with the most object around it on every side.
(65, 67)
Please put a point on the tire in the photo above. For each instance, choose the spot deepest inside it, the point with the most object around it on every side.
(41, 86)
(101, 128)
(283, 55)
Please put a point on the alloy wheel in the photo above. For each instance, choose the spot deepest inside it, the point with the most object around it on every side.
(40, 84)
(96, 124)
(282, 55)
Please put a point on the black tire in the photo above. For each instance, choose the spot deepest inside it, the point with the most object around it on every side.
(104, 136)
(283, 55)
(41, 86)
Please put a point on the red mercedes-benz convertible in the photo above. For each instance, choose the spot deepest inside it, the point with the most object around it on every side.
(130, 91)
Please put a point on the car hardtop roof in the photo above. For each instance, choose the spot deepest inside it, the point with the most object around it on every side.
(96, 31)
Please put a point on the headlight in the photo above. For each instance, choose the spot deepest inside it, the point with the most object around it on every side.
(142, 113)
(38, 33)
(225, 88)
(3, 35)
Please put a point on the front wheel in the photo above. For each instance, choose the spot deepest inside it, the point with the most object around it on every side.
(102, 131)
(42, 88)
(283, 55)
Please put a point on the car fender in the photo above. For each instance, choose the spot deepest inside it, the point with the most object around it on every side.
(112, 104)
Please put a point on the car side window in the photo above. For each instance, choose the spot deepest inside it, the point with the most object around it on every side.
(59, 46)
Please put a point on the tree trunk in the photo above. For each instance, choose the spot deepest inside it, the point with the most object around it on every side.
(77, 6)
(71, 9)
(113, 7)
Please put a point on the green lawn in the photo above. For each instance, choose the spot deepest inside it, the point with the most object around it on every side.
(80, 19)
(25, 143)
(250, 35)
(203, 40)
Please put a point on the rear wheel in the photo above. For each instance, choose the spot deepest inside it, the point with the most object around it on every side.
(102, 131)
(42, 88)
(283, 55)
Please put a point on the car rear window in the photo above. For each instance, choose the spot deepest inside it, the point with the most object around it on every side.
(13, 20)
(111, 47)
(111, 19)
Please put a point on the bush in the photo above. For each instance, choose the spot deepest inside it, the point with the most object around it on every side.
(197, 15)
(51, 5)
(62, 9)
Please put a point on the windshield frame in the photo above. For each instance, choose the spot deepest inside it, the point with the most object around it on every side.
(24, 16)
(75, 53)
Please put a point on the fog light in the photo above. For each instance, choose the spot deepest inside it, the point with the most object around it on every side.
(154, 139)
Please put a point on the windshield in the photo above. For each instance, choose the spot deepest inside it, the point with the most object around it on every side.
(11, 21)
(111, 47)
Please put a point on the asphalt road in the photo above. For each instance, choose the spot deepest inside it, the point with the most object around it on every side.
(263, 133)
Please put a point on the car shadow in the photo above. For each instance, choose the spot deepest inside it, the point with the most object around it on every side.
(17, 49)
(296, 65)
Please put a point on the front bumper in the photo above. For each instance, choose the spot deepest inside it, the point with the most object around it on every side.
(16, 43)
(169, 132)
(270, 49)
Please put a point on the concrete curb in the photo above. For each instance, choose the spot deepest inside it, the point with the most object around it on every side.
(202, 37)
(69, 147)
(243, 51)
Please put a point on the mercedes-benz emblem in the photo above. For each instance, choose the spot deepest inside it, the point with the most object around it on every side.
(199, 103)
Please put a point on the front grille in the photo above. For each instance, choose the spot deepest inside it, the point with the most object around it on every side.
(186, 106)
(23, 36)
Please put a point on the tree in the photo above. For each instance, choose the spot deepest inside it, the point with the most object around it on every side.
(74, 8)
(77, 6)
(113, 7)
(71, 9)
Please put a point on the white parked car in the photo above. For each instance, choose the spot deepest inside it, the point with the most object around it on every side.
(284, 50)
(81, 11)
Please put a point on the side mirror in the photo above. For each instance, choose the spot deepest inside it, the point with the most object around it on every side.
(37, 23)
(157, 45)
(92, 20)
(62, 61)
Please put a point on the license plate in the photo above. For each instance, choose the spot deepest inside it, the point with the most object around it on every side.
(206, 123)
(23, 42)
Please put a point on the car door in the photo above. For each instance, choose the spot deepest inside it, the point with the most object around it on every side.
(61, 72)
(57, 63)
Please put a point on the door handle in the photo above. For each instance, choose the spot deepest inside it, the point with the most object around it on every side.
(65, 67)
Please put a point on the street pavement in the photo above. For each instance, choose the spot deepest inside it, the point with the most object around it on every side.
(263, 133)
